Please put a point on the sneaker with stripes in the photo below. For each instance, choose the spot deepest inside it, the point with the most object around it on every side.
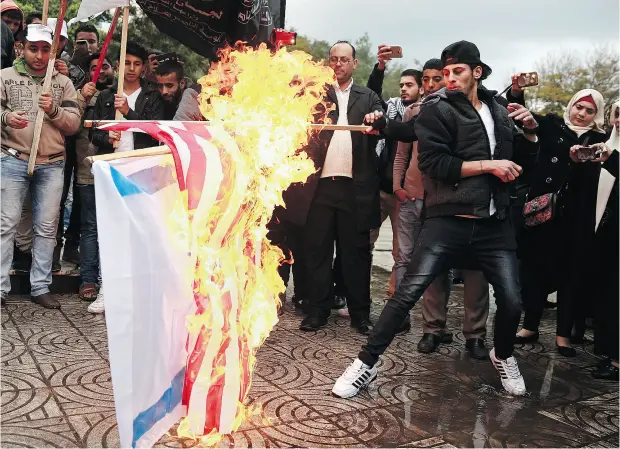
(512, 380)
(355, 377)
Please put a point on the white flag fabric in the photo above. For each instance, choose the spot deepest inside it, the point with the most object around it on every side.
(147, 281)
(89, 8)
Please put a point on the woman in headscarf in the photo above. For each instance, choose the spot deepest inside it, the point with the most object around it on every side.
(548, 251)
(596, 184)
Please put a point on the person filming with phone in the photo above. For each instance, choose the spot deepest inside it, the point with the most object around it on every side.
(550, 239)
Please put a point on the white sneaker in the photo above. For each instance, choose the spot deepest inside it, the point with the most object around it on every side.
(97, 305)
(512, 380)
(355, 377)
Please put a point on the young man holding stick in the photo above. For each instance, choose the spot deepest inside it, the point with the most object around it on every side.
(20, 86)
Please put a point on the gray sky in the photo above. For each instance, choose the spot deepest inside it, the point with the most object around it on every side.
(510, 39)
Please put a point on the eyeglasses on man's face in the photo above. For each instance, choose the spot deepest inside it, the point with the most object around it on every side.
(342, 60)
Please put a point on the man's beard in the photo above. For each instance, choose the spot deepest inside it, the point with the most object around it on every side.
(101, 85)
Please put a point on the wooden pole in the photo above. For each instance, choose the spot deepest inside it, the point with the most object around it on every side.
(313, 126)
(46, 5)
(121, 67)
(153, 151)
(38, 124)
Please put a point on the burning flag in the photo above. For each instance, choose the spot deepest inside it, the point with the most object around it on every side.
(229, 188)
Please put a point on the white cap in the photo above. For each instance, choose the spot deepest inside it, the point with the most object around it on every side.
(51, 22)
(35, 32)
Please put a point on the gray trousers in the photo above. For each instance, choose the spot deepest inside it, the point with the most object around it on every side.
(436, 296)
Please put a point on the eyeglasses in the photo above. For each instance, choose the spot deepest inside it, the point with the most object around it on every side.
(343, 60)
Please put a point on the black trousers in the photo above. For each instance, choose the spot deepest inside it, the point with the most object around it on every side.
(288, 237)
(537, 284)
(332, 217)
(446, 242)
(72, 235)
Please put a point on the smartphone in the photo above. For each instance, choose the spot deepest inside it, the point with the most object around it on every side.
(81, 42)
(397, 52)
(528, 79)
(588, 153)
(166, 57)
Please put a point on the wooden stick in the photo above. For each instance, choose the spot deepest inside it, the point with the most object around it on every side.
(121, 67)
(153, 151)
(47, 82)
(314, 126)
(46, 5)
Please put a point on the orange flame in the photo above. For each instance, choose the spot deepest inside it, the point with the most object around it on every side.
(267, 101)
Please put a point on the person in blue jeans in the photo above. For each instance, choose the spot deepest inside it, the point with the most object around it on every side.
(21, 101)
(85, 188)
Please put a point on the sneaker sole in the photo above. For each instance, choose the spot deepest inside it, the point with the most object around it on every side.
(371, 380)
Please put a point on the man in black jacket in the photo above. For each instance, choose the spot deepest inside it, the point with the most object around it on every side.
(139, 101)
(467, 144)
(341, 201)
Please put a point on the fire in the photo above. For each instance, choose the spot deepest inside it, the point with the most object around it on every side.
(266, 100)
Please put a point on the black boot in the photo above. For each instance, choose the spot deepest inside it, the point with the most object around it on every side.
(71, 253)
(430, 342)
(22, 261)
(56, 266)
(606, 372)
(476, 348)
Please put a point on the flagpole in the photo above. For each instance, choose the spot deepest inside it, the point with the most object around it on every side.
(47, 82)
(106, 44)
(121, 67)
(46, 5)
(313, 126)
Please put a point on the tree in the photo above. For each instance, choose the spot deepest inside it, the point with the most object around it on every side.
(562, 75)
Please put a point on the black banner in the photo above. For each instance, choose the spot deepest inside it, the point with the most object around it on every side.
(207, 25)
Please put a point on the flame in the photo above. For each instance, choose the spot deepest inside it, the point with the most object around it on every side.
(267, 101)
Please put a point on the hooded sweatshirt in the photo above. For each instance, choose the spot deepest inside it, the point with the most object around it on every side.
(19, 92)
(8, 5)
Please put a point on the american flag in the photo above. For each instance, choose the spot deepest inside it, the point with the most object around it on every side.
(218, 370)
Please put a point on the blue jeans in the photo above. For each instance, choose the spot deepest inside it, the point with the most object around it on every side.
(45, 187)
(89, 246)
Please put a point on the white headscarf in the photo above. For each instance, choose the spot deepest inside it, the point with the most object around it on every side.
(606, 180)
(599, 118)
(614, 139)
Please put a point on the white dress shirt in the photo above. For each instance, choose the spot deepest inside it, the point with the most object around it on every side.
(339, 158)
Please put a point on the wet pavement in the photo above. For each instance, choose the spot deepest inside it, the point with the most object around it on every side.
(56, 388)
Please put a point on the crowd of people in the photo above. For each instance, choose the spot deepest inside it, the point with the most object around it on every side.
(33, 234)
(470, 181)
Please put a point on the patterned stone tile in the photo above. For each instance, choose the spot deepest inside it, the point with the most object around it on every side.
(44, 432)
(597, 416)
(28, 405)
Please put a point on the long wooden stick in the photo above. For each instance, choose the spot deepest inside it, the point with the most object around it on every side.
(314, 126)
(153, 151)
(46, 5)
(121, 67)
(47, 82)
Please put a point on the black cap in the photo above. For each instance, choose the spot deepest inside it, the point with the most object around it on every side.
(464, 52)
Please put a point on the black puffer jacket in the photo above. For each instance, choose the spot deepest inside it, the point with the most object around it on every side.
(450, 131)
(149, 106)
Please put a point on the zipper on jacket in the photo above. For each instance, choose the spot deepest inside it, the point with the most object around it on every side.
(488, 141)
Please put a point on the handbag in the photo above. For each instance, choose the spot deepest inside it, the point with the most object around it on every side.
(541, 209)
(545, 208)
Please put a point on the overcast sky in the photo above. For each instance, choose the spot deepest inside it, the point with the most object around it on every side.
(509, 38)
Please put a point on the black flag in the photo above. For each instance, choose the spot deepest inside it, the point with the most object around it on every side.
(208, 25)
